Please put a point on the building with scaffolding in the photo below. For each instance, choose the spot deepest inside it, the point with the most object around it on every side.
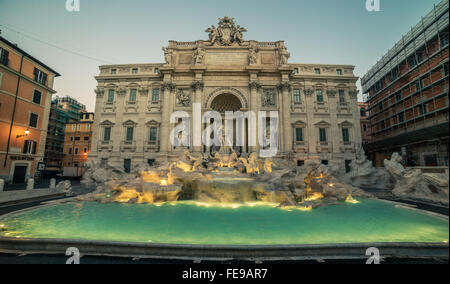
(63, 110)
(407, 94)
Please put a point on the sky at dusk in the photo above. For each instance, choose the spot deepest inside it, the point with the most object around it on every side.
(133, 31)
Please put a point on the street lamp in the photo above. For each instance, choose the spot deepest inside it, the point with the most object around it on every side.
(27, 132)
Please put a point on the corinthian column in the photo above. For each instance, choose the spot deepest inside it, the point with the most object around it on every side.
(254, 87)
(285, 88)
(197, 88)
(167, 91)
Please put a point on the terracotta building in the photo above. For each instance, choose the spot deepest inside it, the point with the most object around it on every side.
(63, 110)
(408, 95)
(365, 123)
(26, 88)
(77, 141)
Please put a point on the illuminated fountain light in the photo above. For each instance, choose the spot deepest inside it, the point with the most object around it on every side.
(350, 199)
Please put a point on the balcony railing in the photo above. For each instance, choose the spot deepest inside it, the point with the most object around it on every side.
(128, 146)
(105, 146)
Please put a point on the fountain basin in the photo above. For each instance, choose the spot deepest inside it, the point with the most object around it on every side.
(192, 230)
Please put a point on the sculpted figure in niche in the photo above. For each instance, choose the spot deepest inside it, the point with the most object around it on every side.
(253, 55)
(199, 55)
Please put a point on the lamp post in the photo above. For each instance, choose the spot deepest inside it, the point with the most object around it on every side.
(27, 132)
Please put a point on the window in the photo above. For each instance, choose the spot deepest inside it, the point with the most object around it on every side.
(70, 151)
(401, 117)
(107, 134)
(341, 96)
(398, 96)
(299, 134)
(134, 71)
(430, 160)
(113, 71)
(296, 71)
(378, 86)
(383, 125)
(4, 56)
(76, 151)
(110, 96)
(74, 127)
(77, 138)
(419, 57)
(297, 97)
(155, 95)
(37, 96)
(300, 163)
(85, 150)
(380, 106)
(71, 138)
(151, 162)
(88, 127)
(363, 112)
(446, 69)
(422, 109)
(319, 94)
(394, 74)
(153, 134)
(133, 93)
(323, 135)
(345, 135)
(29, 147)
(130, 133)
(339, 72)
(79, 127)
(325, 162)
(40, 76)
(412, 62)
(127, 165)
(86, 138)
(33, 120)
(317, 71)
(365, 127)
(418, 85)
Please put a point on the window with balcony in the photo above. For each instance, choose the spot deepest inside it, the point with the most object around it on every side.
(155, 95)
(323, 135)
(319, 95)
(297, 97)
(129, 134)
(107, 134)
(341, 96)
(153, 134)
(345, 135)
(299, 135)
(133, 93)
(111, 96)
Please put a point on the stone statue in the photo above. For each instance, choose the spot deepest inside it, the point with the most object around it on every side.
(253, 55)
(414, 184)
(167, 55)
(227, 32)
(213, 34)
(284, 56)
(199, 55)
(183, 98)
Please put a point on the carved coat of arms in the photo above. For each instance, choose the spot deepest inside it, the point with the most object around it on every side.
(226, 33)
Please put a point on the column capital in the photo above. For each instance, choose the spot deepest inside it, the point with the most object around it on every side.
(284, 86)
(254, 85)
(197, 85)
(168, 86)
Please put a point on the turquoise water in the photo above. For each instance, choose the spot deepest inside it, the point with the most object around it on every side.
(187, 223)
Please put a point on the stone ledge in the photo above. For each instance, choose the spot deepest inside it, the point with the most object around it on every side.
(8, 198)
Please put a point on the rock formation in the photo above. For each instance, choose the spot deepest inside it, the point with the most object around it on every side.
(415, 185)
(223, 178)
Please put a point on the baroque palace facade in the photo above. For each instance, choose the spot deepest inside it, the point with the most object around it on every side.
(316, 104)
